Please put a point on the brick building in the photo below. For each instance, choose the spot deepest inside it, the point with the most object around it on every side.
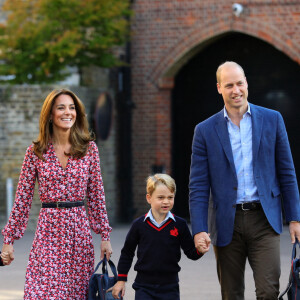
(175, 50)
(169, 87)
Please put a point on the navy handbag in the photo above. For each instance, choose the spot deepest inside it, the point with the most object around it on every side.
(100, 283)
(293, 288)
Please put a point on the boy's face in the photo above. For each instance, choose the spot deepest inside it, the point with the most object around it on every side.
(161, 200)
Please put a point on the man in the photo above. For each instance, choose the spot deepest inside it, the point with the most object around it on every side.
(241, 170)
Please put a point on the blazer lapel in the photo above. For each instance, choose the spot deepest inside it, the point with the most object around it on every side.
(222, 131)
(257, 122)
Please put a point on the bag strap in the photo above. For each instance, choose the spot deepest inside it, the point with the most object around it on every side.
(104, 267)
(294, 254)
(112, 267)
(98, 265)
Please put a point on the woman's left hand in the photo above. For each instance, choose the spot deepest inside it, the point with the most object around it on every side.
(106, 249)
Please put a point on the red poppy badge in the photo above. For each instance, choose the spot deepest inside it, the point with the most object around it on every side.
(174, 231)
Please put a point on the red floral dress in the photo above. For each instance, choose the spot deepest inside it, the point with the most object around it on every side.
(61, 259)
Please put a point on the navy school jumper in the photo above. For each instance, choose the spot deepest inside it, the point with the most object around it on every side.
(158, 251)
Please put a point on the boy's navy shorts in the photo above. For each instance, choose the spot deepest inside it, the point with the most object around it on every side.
(156, 291)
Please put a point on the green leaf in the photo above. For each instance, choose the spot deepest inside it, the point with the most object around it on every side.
(42, 37)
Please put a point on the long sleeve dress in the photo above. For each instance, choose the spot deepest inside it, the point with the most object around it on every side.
(61, 259)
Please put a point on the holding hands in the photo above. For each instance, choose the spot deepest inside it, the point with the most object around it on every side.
(202, 242)
(7, 254)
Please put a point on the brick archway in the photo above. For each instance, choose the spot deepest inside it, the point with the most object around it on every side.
(168, 34)
(272, 79)
(162, 75)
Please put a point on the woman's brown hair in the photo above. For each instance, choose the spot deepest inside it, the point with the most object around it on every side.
(79, 136)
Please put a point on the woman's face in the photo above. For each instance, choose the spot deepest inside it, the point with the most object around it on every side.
(63, 113)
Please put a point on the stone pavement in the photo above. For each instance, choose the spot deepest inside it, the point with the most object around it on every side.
(198, 280)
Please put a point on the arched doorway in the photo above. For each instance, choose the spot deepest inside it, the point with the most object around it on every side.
(273, 81)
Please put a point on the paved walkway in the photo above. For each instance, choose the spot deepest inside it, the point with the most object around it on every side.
(198, 280)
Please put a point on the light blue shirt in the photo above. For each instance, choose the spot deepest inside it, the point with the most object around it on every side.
(241, 145)
(150, 216)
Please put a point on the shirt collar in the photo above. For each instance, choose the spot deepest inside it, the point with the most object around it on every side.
(168, 216)
(226, 114)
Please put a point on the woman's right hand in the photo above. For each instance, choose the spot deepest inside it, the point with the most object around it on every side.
(7, 254)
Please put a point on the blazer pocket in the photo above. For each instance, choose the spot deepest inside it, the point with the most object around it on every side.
(276, 191)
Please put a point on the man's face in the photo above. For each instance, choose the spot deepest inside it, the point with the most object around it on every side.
(233, 87)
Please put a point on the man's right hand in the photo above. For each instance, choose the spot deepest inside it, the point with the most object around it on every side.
(202, 242)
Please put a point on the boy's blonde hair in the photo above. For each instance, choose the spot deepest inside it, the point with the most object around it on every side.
(156, 179)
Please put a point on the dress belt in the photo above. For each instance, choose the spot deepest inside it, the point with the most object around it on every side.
(62, 204)
(248, 206)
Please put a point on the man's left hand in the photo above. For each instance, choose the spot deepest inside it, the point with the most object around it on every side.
(294, 231)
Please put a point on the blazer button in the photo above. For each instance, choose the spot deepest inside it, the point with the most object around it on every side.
(235, 188)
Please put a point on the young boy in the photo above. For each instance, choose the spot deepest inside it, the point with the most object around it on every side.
(159, 236)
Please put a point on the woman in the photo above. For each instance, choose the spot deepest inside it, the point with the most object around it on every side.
(65, 162)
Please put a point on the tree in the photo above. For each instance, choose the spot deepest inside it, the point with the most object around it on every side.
(42, 37)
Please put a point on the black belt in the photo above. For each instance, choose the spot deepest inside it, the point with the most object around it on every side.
(248, 206)
(62, 204)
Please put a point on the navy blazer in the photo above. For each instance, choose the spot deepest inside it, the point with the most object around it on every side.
(213, 180)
